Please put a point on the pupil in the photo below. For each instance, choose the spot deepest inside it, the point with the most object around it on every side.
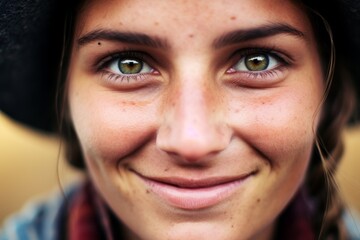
(257, 62)
(130, 66)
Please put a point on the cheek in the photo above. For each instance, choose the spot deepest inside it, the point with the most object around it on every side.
(109, 128)
(279, 125)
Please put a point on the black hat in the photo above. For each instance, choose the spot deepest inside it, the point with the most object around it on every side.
(31, 38)
(30, 50)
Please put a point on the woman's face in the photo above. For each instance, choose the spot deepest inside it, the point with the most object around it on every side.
(195, 117)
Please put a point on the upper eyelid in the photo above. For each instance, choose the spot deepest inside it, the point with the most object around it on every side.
(272, 52)
(283, 61)
(234, 57)
(142, 56)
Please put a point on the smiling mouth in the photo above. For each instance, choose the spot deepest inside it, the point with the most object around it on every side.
(189, 194)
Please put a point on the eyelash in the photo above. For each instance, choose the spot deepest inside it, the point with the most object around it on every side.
(263, 74)
(104, 64)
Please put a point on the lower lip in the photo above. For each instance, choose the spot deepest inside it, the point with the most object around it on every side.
(193, 198)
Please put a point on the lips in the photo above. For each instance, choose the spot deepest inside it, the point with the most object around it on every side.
(192, 194)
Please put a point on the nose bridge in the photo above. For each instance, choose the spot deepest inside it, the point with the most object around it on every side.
(191, 126)
(192, 110)
(191, 98)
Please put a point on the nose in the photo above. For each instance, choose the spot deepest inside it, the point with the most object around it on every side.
(193, 121)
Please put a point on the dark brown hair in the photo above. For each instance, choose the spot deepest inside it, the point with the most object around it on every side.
(73, 153)
(339, 101)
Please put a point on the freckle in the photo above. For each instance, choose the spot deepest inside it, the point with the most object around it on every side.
(232, 226)
(258, 200)
(233, 18)
(147, 191)
(191, 35)
(166, 169)
(156, 23)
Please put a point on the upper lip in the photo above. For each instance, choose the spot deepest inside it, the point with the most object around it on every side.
(182, 182)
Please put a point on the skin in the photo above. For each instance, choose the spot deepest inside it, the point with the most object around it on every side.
(193, 116)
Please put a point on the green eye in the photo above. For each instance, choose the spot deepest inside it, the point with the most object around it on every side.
(257, 62)
(130, 66)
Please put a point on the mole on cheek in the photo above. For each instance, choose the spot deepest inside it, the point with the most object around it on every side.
(99, 43)
(233, 18)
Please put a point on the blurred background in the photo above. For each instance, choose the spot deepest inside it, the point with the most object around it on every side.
(31, 167)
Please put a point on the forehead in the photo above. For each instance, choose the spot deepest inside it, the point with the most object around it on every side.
(177, 18)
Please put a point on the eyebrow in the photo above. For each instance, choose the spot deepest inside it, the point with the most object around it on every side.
(256, 33)
(125, 37)
(233, 37)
